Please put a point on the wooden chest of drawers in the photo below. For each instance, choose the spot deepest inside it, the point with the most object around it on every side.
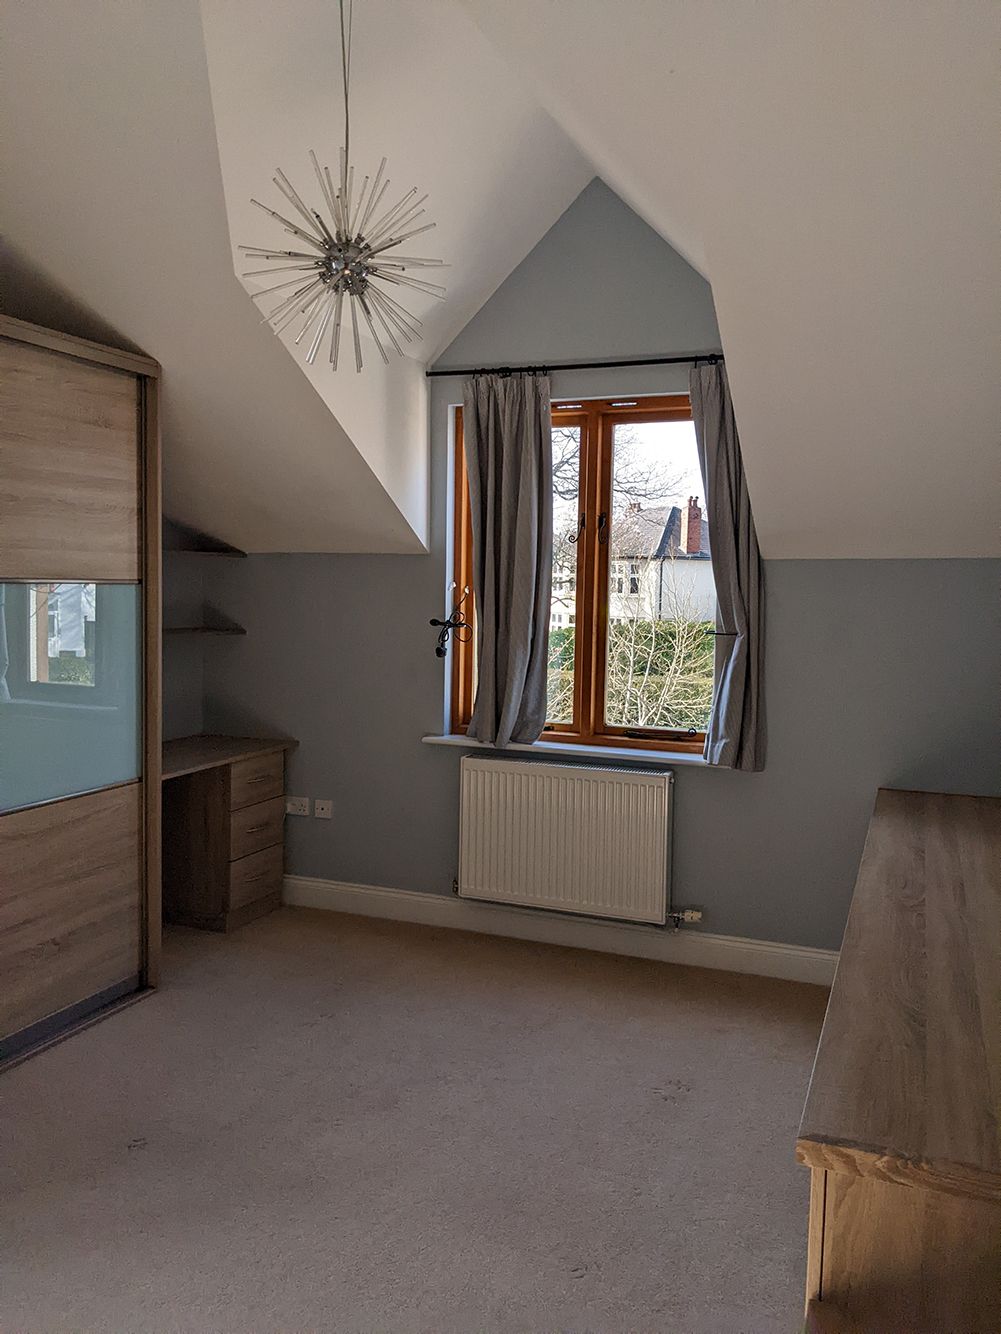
(223, 830)
(902, 1124)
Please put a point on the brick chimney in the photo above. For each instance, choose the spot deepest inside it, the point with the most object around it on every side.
(691, 527)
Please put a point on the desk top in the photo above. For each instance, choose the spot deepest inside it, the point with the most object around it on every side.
(907, 1081)
(189, 754)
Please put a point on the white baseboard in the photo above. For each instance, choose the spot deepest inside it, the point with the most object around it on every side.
(736, 954)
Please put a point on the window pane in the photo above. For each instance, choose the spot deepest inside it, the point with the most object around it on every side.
(563, 607)
(661, 596)
(70, 689)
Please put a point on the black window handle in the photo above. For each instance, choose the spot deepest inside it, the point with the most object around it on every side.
(574, 536)
(602, 528)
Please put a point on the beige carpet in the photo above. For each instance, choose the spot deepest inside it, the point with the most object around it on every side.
(331, 1123)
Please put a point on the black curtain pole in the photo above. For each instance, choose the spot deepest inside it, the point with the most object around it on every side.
(711, 358)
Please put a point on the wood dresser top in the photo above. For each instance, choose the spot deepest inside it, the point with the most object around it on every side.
(189, 754)
(907, 1081)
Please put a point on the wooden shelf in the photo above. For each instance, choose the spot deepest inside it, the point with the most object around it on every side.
(190, 754)
(178, 537)
(204, 630)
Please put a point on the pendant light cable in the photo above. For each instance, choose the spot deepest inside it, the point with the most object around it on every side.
(351, 251)
(346, 69)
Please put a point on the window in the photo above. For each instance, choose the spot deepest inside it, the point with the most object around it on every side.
(633, 606)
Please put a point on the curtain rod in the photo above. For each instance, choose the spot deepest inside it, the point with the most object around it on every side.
(711, 358)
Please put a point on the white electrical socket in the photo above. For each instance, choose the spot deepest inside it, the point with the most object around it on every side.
(296, 805)
(323, 810)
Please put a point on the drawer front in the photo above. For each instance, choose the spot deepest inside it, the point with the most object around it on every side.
(255, 779)
(255, 876)
(256, 827)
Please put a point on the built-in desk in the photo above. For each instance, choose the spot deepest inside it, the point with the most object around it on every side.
(223, 829)
(902, 1124)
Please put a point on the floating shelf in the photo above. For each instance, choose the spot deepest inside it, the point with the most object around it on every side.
(179, 537)
(204, 630)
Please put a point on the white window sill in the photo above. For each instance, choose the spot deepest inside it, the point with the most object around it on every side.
(543, 748)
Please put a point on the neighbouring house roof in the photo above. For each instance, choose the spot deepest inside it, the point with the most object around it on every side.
(654, 534)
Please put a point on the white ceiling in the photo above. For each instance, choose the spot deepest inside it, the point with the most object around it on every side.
(833, 171)
(430, 93)
(113, 196)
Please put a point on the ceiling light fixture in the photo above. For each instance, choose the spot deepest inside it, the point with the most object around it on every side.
(351, 250)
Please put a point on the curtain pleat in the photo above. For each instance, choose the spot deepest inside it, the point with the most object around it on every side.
(508, 444)
(735, 737)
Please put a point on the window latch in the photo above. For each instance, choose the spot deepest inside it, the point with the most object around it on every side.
(575, 536)
(602, 528)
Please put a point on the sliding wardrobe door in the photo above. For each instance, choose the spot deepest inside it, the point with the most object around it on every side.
(79, 699)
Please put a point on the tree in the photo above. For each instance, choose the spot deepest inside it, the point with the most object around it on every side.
(659, 670)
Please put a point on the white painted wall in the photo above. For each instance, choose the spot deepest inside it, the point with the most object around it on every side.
(832, 170)
(112, 204)
(114, 219)
(432, 95)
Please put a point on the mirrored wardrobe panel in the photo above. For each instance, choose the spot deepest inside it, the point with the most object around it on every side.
(70, 689)
(79, 682)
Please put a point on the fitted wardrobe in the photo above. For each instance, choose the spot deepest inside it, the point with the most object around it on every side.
(79, 682)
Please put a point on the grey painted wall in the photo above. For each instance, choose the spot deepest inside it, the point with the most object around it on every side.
(183, 655)
(600, 284)
(878, 672)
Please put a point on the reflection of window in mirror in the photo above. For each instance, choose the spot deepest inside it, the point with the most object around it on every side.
(62, 633)
(70, 688)
(69, 642)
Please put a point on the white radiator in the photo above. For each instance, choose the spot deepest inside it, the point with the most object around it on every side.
(574, 839)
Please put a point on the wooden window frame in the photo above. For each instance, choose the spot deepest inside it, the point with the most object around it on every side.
(597, 419)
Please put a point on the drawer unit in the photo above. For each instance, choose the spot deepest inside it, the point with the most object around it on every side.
(256, 876)
(223, 832)
(256, 827)
(255, 779)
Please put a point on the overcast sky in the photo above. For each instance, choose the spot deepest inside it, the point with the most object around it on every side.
(668, 448)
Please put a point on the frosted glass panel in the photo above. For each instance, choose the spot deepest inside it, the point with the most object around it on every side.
(70, 689)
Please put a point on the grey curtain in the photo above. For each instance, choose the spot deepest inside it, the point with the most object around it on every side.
(508, 443)
(735, 738)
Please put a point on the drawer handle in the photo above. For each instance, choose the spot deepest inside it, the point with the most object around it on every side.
(262, 778)
(251, 878)
(256, 828)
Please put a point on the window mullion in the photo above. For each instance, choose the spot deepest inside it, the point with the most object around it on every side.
(603, 505)
(586, 610)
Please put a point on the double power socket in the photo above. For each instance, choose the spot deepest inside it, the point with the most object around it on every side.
(323, 810)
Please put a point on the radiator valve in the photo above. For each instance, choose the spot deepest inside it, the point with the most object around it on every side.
(680, 916)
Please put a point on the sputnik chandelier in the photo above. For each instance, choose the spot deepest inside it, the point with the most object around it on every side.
(352, 250)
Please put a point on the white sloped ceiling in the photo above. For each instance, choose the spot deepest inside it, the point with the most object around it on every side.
(115, 193)
(833, 171)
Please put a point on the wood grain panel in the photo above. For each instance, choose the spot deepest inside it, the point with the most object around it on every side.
(70, 464)
(188, 754)
(256, 876)
(257, 778)
(923, 1261)
(257, 827)
(71, 346)
(822, 1318)
(907, 1082)
(70, 902)
(152, 528)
